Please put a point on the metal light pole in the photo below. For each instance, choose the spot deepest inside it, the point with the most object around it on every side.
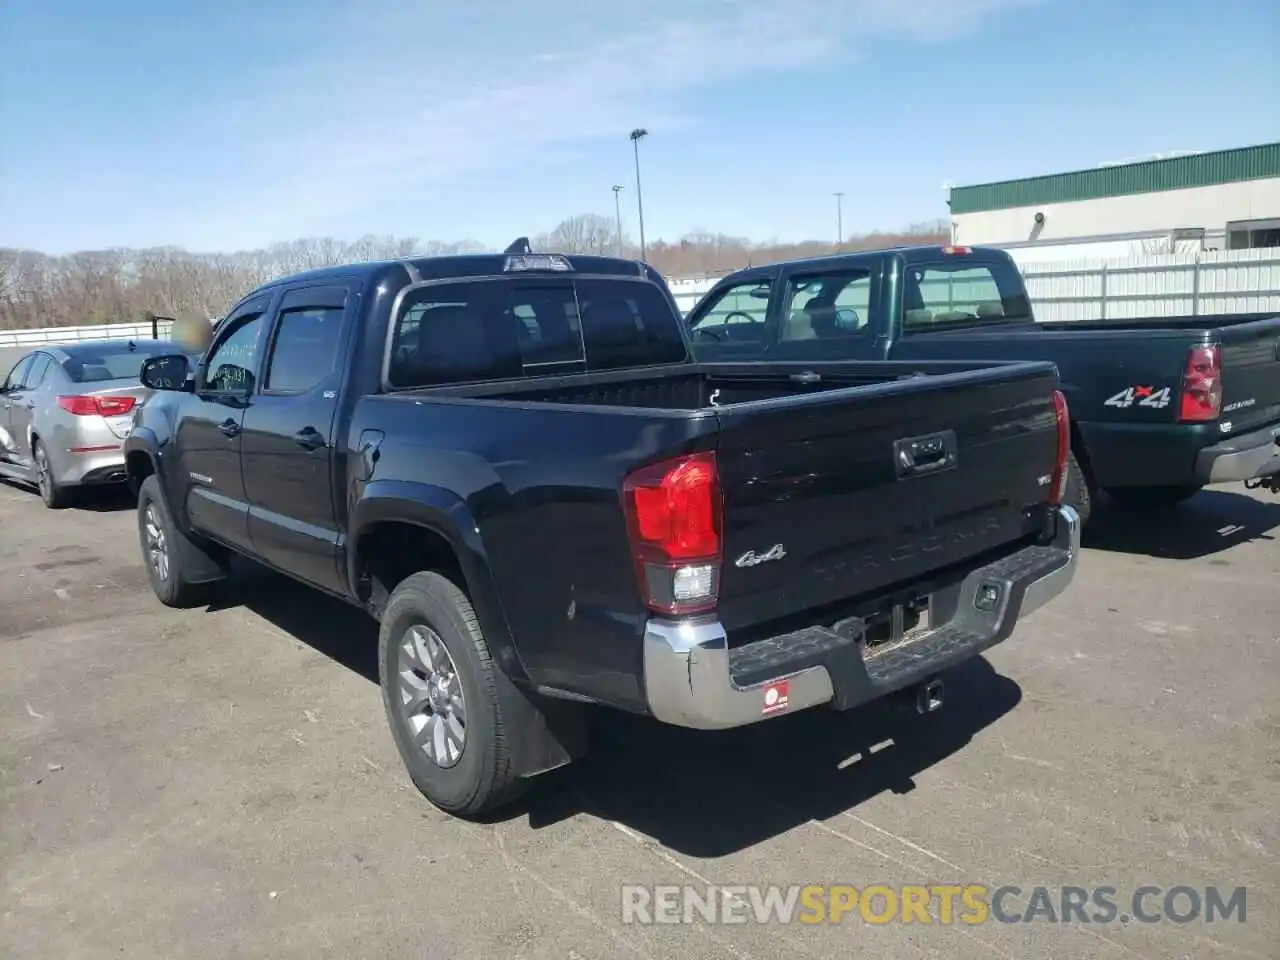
(839, 219)
(617, 208)
(638, 134)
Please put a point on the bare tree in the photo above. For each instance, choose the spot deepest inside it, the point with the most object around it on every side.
(584, 233)
(117, 285)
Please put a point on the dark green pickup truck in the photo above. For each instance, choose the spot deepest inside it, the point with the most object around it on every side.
(1160, 406)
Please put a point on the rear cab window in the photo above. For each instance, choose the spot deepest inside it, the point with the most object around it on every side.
(468, 331)
(962, 291)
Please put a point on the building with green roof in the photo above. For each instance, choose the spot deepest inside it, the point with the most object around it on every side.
(1225, 199)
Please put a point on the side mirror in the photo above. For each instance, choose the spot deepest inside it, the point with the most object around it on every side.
(169, 372)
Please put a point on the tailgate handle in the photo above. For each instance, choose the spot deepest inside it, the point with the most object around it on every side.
(920, 456)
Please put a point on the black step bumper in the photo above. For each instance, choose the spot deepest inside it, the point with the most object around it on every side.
(694, 679)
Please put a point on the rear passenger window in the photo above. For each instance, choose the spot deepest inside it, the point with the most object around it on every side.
(510, 329)
(305, 349)
(937, 294)
(39, 371)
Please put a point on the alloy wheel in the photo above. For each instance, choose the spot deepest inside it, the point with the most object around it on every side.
(44, 481)
(157, 543)
(432, 705)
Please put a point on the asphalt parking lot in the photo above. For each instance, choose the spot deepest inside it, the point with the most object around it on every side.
(220, 782)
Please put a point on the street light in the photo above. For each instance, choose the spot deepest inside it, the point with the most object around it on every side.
(839, 195)
(638, 134)
(617, 208)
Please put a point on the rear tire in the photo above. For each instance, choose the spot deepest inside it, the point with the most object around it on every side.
(54, 495)
(1152, 498)
(181, 573)
(447, 703)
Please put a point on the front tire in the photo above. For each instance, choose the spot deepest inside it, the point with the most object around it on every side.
(448, 706)
(54, 495)
(179, 571)
(1152, 498)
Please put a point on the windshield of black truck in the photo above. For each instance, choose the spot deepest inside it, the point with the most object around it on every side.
(504, 329)
(962, 292)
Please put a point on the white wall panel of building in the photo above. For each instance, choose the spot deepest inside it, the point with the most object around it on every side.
(1208, 208)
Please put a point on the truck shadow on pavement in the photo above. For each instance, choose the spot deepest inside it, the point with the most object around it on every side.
(711, 794)
(702, 794)
(1210, 522)
(327, 625)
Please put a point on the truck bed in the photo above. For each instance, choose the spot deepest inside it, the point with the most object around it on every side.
(1201, 321)
(705, 386)
(812, 467)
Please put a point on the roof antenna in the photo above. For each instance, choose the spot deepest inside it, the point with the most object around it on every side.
(519, 247)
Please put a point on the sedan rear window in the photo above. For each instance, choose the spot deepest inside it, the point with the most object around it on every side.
(123, 362)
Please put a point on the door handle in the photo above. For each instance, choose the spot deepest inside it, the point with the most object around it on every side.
(229, 428)
(309, 438)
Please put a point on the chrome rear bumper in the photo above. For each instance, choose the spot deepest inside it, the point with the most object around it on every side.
(693, 679)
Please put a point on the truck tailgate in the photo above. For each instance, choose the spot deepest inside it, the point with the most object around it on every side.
(1250, 373)
(821, 499)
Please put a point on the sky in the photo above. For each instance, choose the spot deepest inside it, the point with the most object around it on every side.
(231, 125)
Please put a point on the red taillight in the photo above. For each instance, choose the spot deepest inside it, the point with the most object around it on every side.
(1202, 385)
(1058, 488)
(115, 406)
(97, 406)
(673, 517)
(956, 251)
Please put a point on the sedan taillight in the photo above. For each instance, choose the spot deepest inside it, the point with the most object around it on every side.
(104, 406)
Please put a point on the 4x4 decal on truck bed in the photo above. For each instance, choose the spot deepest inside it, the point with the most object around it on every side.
(1140, 396)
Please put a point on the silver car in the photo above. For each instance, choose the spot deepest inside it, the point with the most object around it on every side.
(65, 411)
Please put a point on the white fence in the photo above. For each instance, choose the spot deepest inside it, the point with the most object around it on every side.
(1204, 282)
(98, 331)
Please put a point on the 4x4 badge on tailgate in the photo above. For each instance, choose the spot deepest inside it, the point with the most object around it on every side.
(751, 558)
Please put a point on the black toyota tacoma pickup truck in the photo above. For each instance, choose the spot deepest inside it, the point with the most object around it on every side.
(1160, 406)
(514, 465)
